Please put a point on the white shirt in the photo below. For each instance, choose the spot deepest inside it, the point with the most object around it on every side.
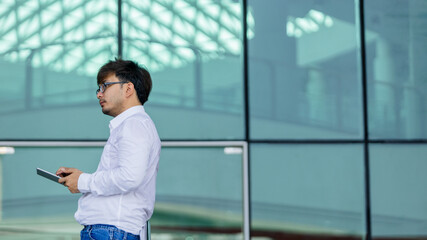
(122, 190)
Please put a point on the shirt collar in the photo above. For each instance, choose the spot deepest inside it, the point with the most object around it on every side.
(122, 116)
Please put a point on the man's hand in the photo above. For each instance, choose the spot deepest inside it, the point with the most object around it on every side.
(70, 178)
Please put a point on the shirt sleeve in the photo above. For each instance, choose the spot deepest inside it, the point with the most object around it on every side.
(133, 147)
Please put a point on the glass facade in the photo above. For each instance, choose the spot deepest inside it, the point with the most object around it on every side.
(398, 195)
(305, 83)
(211, 203)
(395, 69)
(189, 202)
(279, 119)
(293, 192)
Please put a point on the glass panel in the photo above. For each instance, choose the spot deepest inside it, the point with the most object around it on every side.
(199, 194)
(33, 207)
(303, 70)
(396, 56)
(193, 50)
(50, 52)
(301, 191)
(399, 195)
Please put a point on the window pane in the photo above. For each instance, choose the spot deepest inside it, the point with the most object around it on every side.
(399, 195)
(193, 50)
(309, 191)
(199, 193)
(33, 207)
(50, 52)
(303, 70)
(396, 57)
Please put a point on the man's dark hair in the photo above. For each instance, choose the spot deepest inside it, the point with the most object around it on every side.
(128, 71)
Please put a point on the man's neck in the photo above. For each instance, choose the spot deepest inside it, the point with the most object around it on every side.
(127, 106)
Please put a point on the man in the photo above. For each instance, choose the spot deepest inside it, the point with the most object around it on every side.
(118, 198)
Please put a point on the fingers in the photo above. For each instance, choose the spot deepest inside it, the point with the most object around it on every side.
(62, 180)
(60, 171)
(64, 171)
(69, 178)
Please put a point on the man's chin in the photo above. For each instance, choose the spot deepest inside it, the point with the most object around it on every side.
(107, 112)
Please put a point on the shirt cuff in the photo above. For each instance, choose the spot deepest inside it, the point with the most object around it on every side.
(84, 182)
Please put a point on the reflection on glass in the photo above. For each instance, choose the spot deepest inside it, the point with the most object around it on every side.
(50, 52)
(309, 191)
(33, 207)
(199, 194)
(303, 70)
(399, 193)
(396, 53)
(193, 49)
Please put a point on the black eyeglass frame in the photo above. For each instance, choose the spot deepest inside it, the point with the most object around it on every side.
(102, 87)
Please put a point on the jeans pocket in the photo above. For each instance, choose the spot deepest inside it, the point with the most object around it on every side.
(100, 234)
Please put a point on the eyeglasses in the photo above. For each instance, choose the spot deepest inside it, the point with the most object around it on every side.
(104, 86)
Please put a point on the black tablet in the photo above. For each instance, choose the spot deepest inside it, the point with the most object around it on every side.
(48, 175)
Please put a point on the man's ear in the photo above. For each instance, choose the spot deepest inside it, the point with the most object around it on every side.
(130, 89)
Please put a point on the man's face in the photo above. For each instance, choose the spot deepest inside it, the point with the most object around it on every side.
(112, 99)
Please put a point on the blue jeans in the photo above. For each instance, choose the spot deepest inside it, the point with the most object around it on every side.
(105, 232)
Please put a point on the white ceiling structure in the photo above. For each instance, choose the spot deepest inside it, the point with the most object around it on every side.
(77, 36)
